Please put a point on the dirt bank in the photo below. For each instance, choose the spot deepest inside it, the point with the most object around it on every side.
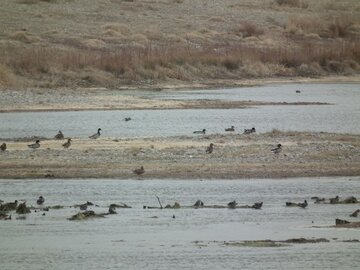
(234, 156)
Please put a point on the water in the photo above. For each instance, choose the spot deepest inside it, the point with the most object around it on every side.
(132, 239)
(341, 117)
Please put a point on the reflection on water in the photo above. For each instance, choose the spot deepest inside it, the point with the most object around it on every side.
(133, 239)
(342, 117)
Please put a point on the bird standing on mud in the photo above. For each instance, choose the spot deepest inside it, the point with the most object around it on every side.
(210, 148)
(200, 131)
(59, 136)
(249, 131)
(34, 145)
(96, 135)
(232, 128)
(3, 147)
(67, 144)
(139, 171)
(277, 149)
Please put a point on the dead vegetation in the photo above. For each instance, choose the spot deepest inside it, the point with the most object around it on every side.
(118, 43)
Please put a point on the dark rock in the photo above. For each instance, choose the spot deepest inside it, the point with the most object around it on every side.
(23, 209)
(341, 222)
(355, 214)
(86, 215)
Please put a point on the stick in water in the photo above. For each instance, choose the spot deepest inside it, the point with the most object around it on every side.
(159, 202)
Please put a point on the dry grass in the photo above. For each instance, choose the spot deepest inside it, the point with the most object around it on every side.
(112, 43)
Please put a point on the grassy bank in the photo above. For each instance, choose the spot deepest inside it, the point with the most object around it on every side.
(57, 44)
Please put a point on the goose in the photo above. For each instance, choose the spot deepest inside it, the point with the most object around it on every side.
(139, 171)
(3, 147)
(59, 136)
(34, 145)
(200, 131)
(232, 128)
(249, 131)
(277, 149)
(41, 200)
(232, 204)
(210, 148)
(96, 135)
(67, 144)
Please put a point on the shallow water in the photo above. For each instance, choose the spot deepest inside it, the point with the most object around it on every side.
(132, 239)
(341, 117)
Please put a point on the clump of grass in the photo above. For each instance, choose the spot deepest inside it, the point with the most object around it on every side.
(116, 28)
(249, 29)
(231, 64)
(293, 3)
(24, 36)
(7, 78)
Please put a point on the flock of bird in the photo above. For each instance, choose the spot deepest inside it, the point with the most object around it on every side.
(141, 170)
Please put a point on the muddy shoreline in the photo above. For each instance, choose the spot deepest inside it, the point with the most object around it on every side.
(81, 99)
(235, 156)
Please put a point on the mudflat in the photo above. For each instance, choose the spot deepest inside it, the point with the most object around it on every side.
(234, 156)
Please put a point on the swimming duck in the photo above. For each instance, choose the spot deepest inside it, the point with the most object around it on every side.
(139, 171)
(199, 203)
(277, 149)
(10, 206)
(257, 205)
(298, 91)
(200, 131)
(41, 200)
(303, 205)
(232, 204)
(59, 136)
(249, 131)
(96, 135)
(334, 200)
(3, 147)
(232, 128)
(210, 148)
(127, 119)
(34, 145)
(67, 144)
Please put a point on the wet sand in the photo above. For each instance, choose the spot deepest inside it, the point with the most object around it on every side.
(235, 156)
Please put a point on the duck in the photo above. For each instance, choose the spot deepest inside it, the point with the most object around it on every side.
(199, 203)
(257, 205)
(127, 119)
(59, 136)
(334, 200)
(3, 147)
(200, 131)
(41, 200)
(303, 205)
(210, 148)
(232, 128)
(96, 135)
(67, 144)
(277, 149)
(298, 91)
(10, 206)
(35, 145)
(232, 204)
(249, 131)
(139, 171)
